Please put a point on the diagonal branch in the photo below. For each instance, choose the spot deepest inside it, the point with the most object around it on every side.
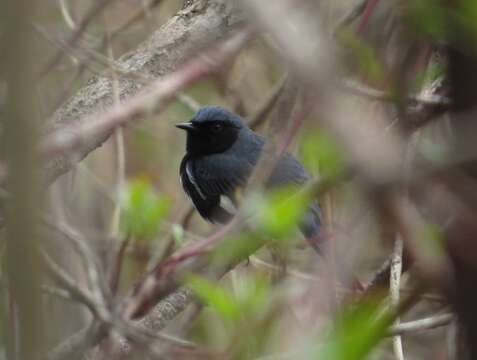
(150, 100)
(191, 29)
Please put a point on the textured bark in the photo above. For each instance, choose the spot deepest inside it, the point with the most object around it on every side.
(194, 27)
(160, 315)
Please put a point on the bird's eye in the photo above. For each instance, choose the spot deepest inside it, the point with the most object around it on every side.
(216, 128)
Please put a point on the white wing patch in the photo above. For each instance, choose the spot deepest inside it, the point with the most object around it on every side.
(190, 175)
(227, 204)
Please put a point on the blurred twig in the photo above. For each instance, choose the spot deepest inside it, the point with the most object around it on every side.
(356, 10)
(118, 265)
(93, 12)
(394, 285)
(135, 17)
(261, 114)
(429, 100)
(120, 150)
(96, 306)
(66, 14)
(421, 324)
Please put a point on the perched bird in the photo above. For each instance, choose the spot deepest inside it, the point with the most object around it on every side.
(221, 152)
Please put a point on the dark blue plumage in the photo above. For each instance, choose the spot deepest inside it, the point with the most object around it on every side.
(221, 153)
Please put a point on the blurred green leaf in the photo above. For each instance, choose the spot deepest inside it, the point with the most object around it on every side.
(278, 211)
(251, 296)
(236, 248)
(429, 17)
(143, 211)
(356, 333)
(456, 21)
(465, 20)
(364, 55)
(220, 299)
(322, 155)
(246, 313)
(178, 234)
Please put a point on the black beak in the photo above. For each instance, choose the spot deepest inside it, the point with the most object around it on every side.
(188, 126)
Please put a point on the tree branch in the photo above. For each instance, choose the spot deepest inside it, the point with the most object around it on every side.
(192, 29)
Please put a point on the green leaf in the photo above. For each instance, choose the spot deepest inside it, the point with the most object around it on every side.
(322, 155)
(364, 55)
(220, 299)
(279, 210)
(236, 248)
(428, 17)
(356, 334)
(178, 234)
(252, 293)
(143, 211)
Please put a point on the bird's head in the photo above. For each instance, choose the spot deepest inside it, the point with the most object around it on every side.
(212, 130)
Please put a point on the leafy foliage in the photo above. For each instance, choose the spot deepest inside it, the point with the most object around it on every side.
(144, 209)
(244, 312)
(321, 155)
(280, 210)
(355, 334)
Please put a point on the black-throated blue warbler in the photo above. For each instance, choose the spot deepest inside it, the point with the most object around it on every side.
(221, 152)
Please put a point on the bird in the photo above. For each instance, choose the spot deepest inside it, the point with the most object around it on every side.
(221, 152)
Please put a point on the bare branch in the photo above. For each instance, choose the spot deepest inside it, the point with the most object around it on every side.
(395, 282)
(75, 290)
(421, 324)
(201, 23)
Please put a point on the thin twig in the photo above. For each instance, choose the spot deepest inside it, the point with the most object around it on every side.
(260, 115)
(118, 142)
(57, 292)
(66, 15)
(430, 100)
(135, 17)
(86, 254)
(350, 16)
(394, 285)
(74, 346)
(75, 290)
(421, 324)
(118, 264)
(94, 11)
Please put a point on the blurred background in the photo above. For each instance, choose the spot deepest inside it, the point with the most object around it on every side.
(126, 201)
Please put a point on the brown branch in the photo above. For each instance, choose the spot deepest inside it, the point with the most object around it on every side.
(151, 100)
(261, 114)
(118, 265)
(193, 28)
(421, 324)
(76, 291)
(73, 348)
(166, 277)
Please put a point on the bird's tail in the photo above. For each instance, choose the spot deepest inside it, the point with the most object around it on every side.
(311, 226)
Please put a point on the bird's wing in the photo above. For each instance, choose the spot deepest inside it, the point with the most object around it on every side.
(208, 206)
(221, 174)
(208, 179)
(288, 171)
